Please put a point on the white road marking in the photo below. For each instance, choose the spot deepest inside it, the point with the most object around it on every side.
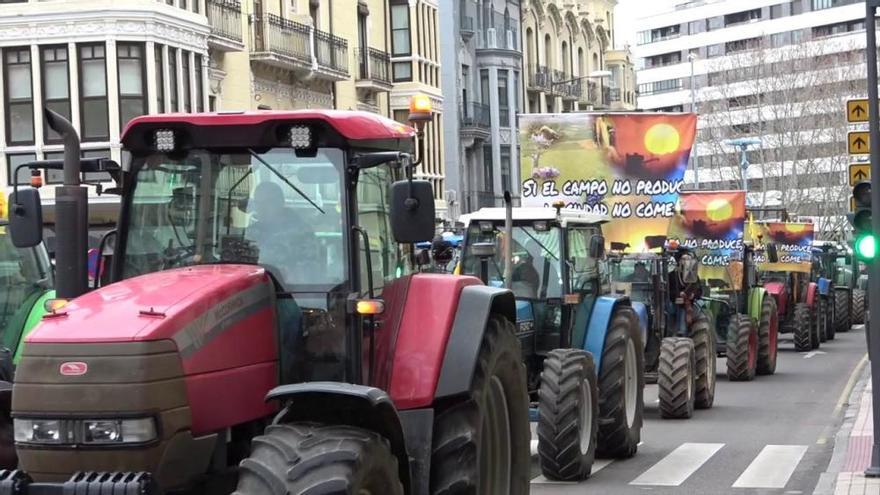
(598, 465)
(812, 354)
(772, 467)
(534, 446)
(676, 467)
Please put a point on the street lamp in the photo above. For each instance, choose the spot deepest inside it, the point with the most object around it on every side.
(743, 145)
(692, 57)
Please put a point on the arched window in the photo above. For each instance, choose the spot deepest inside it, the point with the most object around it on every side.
(530, 48)
(582, 69)
(506, 20)
(548, 51)
(596, 62)
(566, 65)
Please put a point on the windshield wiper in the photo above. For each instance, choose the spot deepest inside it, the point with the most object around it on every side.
(546, 250)
(291, 184)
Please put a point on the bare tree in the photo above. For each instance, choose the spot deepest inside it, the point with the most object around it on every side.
(792, 98)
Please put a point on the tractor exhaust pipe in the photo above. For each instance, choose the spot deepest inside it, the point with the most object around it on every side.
(508, 235)
(72, 216)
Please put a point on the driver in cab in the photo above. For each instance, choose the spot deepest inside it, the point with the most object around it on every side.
(278, 231)
(640, 273)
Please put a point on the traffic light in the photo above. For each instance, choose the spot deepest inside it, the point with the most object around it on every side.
(865, 245)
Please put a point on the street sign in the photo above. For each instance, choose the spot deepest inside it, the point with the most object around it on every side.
(857, 110)
(858, 143)
(859, 172)
(852, 205)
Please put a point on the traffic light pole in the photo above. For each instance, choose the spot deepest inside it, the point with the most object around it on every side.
(873, 326)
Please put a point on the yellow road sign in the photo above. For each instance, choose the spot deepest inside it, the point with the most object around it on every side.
(857, 110)
(858, 143)
(852, 205)
(859, 172)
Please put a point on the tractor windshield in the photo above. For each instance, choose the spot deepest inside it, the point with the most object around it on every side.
(247, 206)
(536, 269)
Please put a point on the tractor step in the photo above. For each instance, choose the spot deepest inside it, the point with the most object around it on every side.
(17, 482)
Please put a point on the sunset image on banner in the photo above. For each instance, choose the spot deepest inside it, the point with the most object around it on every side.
(626, 166)
(794, 244)
(711, 223)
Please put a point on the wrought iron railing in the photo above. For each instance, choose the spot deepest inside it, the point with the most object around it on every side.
(467, 23)
(274, 34)
(225, 18)
(331, 51)
(539, 77)
(373, 64)
(475, 114)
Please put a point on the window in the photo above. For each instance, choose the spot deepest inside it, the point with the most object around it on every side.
(14, 160)
(160, 80)
(488, 172)
(695, 27)
(506, 183)
(714, 23)
(779, 39)
(56, 86)
(796, 7)
(93, 93)
(515, 102)
(714, 50)
(664, 59)
(827, 4)
(19, 94)
(200, 103)
(776, 11)
(742, 17)
(388, 258)
(400, 37)
(665, 33)
(57, 176)
(797, 36)
(660, 87)
(186, 79)
(484, 86)
(172, 78)
(742, 45)
(132, 86)
(503, 100)
(585, 269)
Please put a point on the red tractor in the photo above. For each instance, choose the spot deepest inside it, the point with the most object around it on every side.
(263, 330)
(796, 302)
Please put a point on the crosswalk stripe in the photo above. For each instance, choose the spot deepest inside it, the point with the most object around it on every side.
(676, 467)
(598, 465)
(772, 467)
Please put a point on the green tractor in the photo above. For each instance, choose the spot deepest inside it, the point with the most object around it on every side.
(745, 317)
(846, 276)
(838, 297)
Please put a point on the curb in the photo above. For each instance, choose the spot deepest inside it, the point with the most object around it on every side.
(828, 480)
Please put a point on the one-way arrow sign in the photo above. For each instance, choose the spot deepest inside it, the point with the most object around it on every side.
(857, 110)
(859, 172)
(858, 143)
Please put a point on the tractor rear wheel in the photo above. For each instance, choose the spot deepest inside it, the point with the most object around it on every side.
(481, 442)
(676, 378)
(842, 318)
(768, 336)
(858, 313)
(742, 349)
(568, 422)
(820, 329)
(315, 458)
(703, 335)
(803, 328)
(621, 386)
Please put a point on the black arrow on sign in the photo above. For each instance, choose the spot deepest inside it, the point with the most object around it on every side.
(860, 175)
(859, 142)
(858, 111)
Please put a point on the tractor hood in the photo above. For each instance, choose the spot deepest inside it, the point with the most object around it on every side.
(180, 304)
(775, 288)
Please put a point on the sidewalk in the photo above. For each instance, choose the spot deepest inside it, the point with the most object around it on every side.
(858, 439)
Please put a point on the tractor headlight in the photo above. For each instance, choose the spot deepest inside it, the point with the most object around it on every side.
(164, 140)
(300, 137)
(85, 431)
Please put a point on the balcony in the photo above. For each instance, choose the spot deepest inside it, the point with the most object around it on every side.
(282, 43)
(539, 78)
(555, 76)
(331, 53)
(571, 91)
(475, 120)
(224, 16)
(466, 27)
(374, 70)
(499, 40)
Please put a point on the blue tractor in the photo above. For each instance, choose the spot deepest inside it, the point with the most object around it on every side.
(582, 345)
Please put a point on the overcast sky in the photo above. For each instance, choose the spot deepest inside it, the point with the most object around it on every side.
(628, 11)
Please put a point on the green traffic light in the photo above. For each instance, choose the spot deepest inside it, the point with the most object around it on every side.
(866, 247)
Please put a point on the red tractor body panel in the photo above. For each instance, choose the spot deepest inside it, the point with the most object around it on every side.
(779, 292)
(425, 326)
(812, 290)
(221, 317)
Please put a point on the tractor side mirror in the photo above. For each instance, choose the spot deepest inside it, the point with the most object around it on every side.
(689, 269)
(412, 211)
(772, 255)
(597, 246)
(25, 218)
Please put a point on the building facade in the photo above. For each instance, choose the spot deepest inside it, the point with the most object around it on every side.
(777, 73)
(482, 49)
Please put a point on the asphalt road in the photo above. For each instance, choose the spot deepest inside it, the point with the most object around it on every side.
(774, 435)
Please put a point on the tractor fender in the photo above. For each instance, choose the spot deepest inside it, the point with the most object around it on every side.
(824, 285)
(812, 291)
(756, 300)
(475, 305)
(600, 320)
(345, 404)
(777, 290)
(642, 312)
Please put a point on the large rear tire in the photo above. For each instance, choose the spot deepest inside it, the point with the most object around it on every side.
(568, 422)
(481, 442)
(742, 349)
(676, 378)
(315, 458)
(842, 317)
(803, 328)
(768, 336)
(858, 314)
(703, 335)
(820, 329)
(621, 387)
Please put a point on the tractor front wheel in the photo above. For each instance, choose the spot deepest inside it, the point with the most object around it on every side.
(742, 349)
(858, 308)
(705, 353)
(676, 378)
(481, 442)
(315, 458)
(820, 329)
(842, 318)
(568, 422)
(803, 328)
(621, 386)
(768, 336)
